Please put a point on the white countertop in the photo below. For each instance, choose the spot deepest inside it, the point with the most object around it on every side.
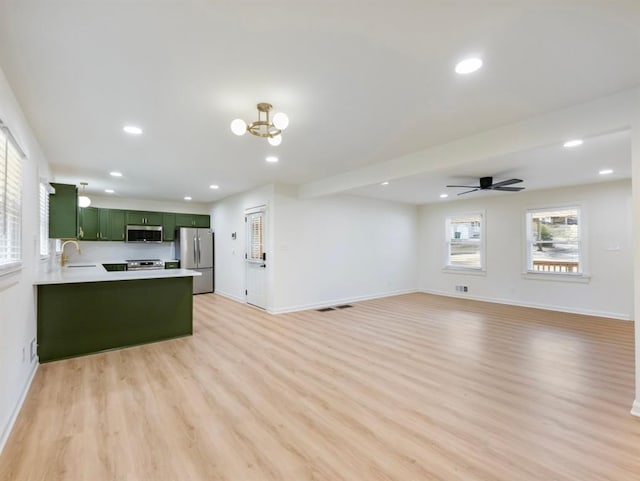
(94, 272)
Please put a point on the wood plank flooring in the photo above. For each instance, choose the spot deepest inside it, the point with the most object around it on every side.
(408, 388)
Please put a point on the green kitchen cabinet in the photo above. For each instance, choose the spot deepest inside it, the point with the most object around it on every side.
(89, 223)
(101, 224)
(202, 221)
(115, 267)
(168, 226)
(116, 225)
(63, 212)
(192, 220)
(139, 217)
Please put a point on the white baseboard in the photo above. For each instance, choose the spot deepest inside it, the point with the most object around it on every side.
(511, 302)
(635, 409)
(233, 297)
(335, 302)
(6, 429)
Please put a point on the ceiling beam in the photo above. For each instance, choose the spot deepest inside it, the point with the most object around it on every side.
(597, 117)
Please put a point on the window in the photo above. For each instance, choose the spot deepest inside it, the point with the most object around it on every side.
(554, 242)
(465, 239)
(44, 220)
(10, 203)
(255, 237)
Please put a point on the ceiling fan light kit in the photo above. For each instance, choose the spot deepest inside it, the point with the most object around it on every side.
(486, 183)
(265, 126)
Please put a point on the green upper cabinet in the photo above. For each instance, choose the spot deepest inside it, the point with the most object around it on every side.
(88, 223)
(168, 226)
(116, 225)
(63, 212)
(101, 224)
(203, 221)
(139, 217)
(192, 220)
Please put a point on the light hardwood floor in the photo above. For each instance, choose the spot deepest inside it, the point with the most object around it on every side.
(407, 388)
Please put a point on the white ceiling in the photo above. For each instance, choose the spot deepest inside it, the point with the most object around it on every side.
(362, 82)
(542, 168)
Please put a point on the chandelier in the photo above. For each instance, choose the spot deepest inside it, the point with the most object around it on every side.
(271, 129)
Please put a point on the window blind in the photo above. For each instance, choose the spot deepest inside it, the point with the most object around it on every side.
(256, 241)
(10, 203)
(44, 220)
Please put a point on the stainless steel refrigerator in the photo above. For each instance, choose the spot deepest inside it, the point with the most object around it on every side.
(194, 248)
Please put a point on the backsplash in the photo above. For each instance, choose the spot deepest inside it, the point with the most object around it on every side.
(95, 251)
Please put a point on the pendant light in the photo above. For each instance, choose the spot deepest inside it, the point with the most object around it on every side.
(83, 200)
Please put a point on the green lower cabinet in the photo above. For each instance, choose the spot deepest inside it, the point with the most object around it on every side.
(115, 267)
(88, 317)
(168, 226)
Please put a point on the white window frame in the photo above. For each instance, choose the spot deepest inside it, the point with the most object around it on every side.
(583, 263)
(13, 263)
(482, 241)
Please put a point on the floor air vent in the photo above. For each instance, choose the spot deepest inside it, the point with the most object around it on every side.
(326, 309)
(344, 306)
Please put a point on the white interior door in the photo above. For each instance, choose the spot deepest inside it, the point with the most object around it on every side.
(256, 259)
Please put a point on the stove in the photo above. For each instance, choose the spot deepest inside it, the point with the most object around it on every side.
(144, 264)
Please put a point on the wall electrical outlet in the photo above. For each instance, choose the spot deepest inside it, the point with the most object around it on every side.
(462, 288)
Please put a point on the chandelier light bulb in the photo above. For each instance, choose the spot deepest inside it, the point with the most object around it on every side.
(275, 141)
(281, 120)
(239, 127)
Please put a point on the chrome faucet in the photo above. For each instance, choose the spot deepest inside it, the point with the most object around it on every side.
(64, 258)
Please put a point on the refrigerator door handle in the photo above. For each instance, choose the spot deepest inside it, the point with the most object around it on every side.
(199, 252)
(195, 251)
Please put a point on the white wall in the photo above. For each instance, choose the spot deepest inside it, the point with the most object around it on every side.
(341, 248)
(17, 294)
(607, 217)
(227, 217)
(635, 175)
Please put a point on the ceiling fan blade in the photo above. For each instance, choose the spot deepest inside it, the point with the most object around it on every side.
(505, 182)
(508, 189)
(467, 186)
(467, 192)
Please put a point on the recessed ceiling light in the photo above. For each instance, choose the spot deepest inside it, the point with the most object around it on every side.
(115, 174)
(468, 65)
(132, 129)
(385, 183)
(444, 196)
(605, 172)
(109, 191)
(214, 186)
(573, 143)
(272, 158)
(187, 198)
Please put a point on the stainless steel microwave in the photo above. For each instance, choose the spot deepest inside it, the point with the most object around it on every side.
(144, 233)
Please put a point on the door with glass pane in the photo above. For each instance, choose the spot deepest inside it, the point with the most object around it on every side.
(256, 258)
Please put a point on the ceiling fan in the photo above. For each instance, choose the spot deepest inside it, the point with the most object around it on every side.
(486, 183)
